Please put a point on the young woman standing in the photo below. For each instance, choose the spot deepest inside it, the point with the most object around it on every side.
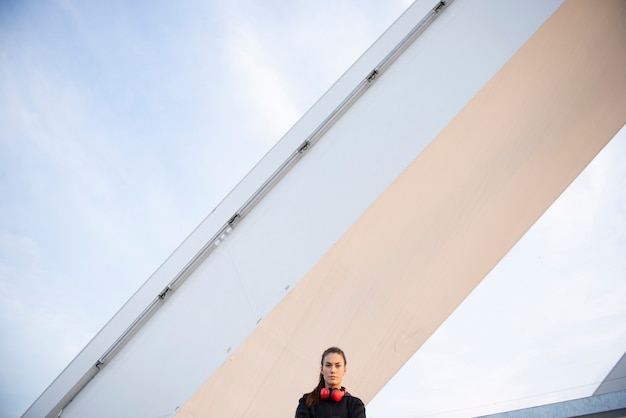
(329, 399)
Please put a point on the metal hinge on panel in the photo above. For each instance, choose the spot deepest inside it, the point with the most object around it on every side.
(164, 292)
(234, 219)
(304, 146)
(372, 76)
(440, 6)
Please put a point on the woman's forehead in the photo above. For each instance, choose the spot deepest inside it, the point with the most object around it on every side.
(333, 358)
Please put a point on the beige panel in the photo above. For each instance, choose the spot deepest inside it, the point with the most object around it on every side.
(430, 238)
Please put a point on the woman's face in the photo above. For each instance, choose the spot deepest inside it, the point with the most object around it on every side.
(333, 369)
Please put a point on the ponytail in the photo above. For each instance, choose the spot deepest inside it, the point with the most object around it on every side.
(314, 396)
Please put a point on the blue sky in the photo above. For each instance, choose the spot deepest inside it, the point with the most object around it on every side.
(123, 124)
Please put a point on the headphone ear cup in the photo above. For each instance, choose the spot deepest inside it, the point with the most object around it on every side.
(324, 393)
(337, 395)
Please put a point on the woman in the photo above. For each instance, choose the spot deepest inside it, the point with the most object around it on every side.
(329, 399)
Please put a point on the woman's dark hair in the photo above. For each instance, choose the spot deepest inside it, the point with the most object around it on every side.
(314, 396)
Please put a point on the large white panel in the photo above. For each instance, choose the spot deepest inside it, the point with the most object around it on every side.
(175, 350)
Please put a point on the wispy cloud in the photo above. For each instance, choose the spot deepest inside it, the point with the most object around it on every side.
(261, 85)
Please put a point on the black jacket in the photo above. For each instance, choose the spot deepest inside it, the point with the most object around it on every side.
(349, 407)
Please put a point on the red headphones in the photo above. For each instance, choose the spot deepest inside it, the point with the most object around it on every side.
(334, 394)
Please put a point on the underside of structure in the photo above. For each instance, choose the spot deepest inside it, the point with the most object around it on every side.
(370, 221)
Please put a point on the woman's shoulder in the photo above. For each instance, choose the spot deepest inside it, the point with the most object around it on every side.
(355, 406)
(303, 398)
(302, 411)
(353, 397)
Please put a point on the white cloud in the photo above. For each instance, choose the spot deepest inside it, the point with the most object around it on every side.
(261, 86)
(19, 248)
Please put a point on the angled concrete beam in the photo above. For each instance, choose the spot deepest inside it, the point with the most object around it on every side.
(432, 236)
